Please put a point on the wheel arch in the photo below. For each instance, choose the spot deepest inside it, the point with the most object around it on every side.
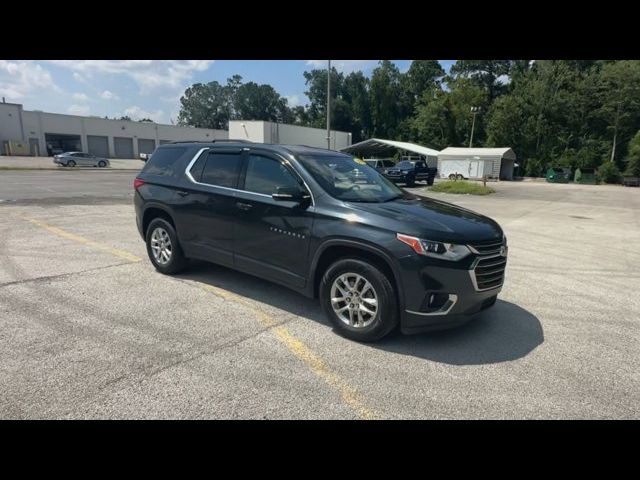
(333, 250)
(156, 211)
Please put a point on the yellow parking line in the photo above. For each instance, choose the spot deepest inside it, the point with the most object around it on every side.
(298, 348)
(85, 241)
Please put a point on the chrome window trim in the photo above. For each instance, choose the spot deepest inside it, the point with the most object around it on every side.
(195, 158)
(449, 304)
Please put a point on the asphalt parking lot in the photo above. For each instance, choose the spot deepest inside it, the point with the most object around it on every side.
(88, 329)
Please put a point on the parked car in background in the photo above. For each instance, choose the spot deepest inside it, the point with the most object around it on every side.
(145, 156)
(380, 165)
(411, 171)
(73, 159)
(376, 256)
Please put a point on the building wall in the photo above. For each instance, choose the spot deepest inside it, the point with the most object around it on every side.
(10, 123)
(280, 133)
(36, 124)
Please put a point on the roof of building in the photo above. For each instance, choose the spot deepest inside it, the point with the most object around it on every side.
(379, 146)
(478, 152)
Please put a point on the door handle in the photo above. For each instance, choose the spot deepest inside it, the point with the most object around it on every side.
(244, 206)
(183, 193)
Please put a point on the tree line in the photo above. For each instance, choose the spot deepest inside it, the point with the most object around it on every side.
(560, 113)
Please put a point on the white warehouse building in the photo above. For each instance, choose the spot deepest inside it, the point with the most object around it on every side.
(36, 133)
(45, 134)
(475, 163)
(271, 132)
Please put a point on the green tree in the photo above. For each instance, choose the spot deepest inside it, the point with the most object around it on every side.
(633, 160)
(386, 90)
(204, 106)
(488, 74)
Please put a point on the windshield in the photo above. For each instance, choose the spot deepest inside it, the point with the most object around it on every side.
(345, 179)
(405, 164)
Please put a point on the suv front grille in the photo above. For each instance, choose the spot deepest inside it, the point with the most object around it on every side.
(488, 272)
(488, 248)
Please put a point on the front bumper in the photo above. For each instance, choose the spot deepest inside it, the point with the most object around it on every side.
(453, 284)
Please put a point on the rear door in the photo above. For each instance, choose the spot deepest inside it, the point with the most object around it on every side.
(206, 204)
(272, 237)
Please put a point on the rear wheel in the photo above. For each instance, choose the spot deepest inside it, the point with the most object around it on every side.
(452, 176)
(164, 248)
(102, 164)
(359, 300)
(460, 177)
(71, 163)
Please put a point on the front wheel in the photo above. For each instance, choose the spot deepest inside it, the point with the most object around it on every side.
(452, 176)
(430, 181)
(359, 300)
(102, 164)
(460, 177)
(71, 163)
(411, 181)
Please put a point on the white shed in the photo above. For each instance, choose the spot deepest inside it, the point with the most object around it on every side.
(477, 162)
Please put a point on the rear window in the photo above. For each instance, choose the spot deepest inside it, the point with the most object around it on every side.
(164, 161)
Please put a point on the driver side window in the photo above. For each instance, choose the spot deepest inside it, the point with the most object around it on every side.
(265, 175)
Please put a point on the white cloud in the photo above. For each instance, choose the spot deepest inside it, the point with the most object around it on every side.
(137, 113)
(345, 66)
(294, 100)
(81, 97)
(79, 78)
(148, 74)
(20, 79)
(108, 95)
(78, 109)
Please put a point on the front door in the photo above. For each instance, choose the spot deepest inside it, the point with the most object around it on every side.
(272, 236)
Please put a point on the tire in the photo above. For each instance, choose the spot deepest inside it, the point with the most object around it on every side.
(372, 327)
(102, 164)
(452, 176)
(71, 163)
(411, 181)
(176, 260)
(430, 181)
(460, 177)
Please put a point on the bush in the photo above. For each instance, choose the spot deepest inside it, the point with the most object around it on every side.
(462, 187)
(609, 173)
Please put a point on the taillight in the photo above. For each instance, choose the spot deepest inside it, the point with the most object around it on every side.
(137, 183)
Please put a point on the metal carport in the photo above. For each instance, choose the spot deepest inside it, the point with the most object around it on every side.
(380, 148)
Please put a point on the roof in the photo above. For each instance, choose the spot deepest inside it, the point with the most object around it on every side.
(478, 152)
(379, 146)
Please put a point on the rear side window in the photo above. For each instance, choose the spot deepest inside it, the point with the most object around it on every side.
(164, 161)
(222, 169)
(265, 175)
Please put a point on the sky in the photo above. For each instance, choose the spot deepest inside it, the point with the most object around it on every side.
(150, 88)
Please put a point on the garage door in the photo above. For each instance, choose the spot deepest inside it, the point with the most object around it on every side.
(98, 146)
(146, 145)
(123, 147)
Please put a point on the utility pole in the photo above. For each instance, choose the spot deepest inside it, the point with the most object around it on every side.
(329, 106)
(474, 111)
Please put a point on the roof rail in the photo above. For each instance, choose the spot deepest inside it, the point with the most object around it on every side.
(212, 141)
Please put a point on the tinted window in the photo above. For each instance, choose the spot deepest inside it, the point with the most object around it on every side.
(405, 164)
(222, 169)
(388, 163)
(265, 175)
(164, 161)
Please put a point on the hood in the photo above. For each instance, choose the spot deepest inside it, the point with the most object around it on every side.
(430, 219)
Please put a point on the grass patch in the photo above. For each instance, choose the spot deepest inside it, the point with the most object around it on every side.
(461, 187)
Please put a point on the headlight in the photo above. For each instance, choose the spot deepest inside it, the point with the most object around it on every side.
(430, 248)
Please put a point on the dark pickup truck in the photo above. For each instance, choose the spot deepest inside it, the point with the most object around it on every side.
(409, 172)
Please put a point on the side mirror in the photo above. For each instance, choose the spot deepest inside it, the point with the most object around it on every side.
(288, 194)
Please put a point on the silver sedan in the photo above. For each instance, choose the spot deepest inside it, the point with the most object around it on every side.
(72, 159)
